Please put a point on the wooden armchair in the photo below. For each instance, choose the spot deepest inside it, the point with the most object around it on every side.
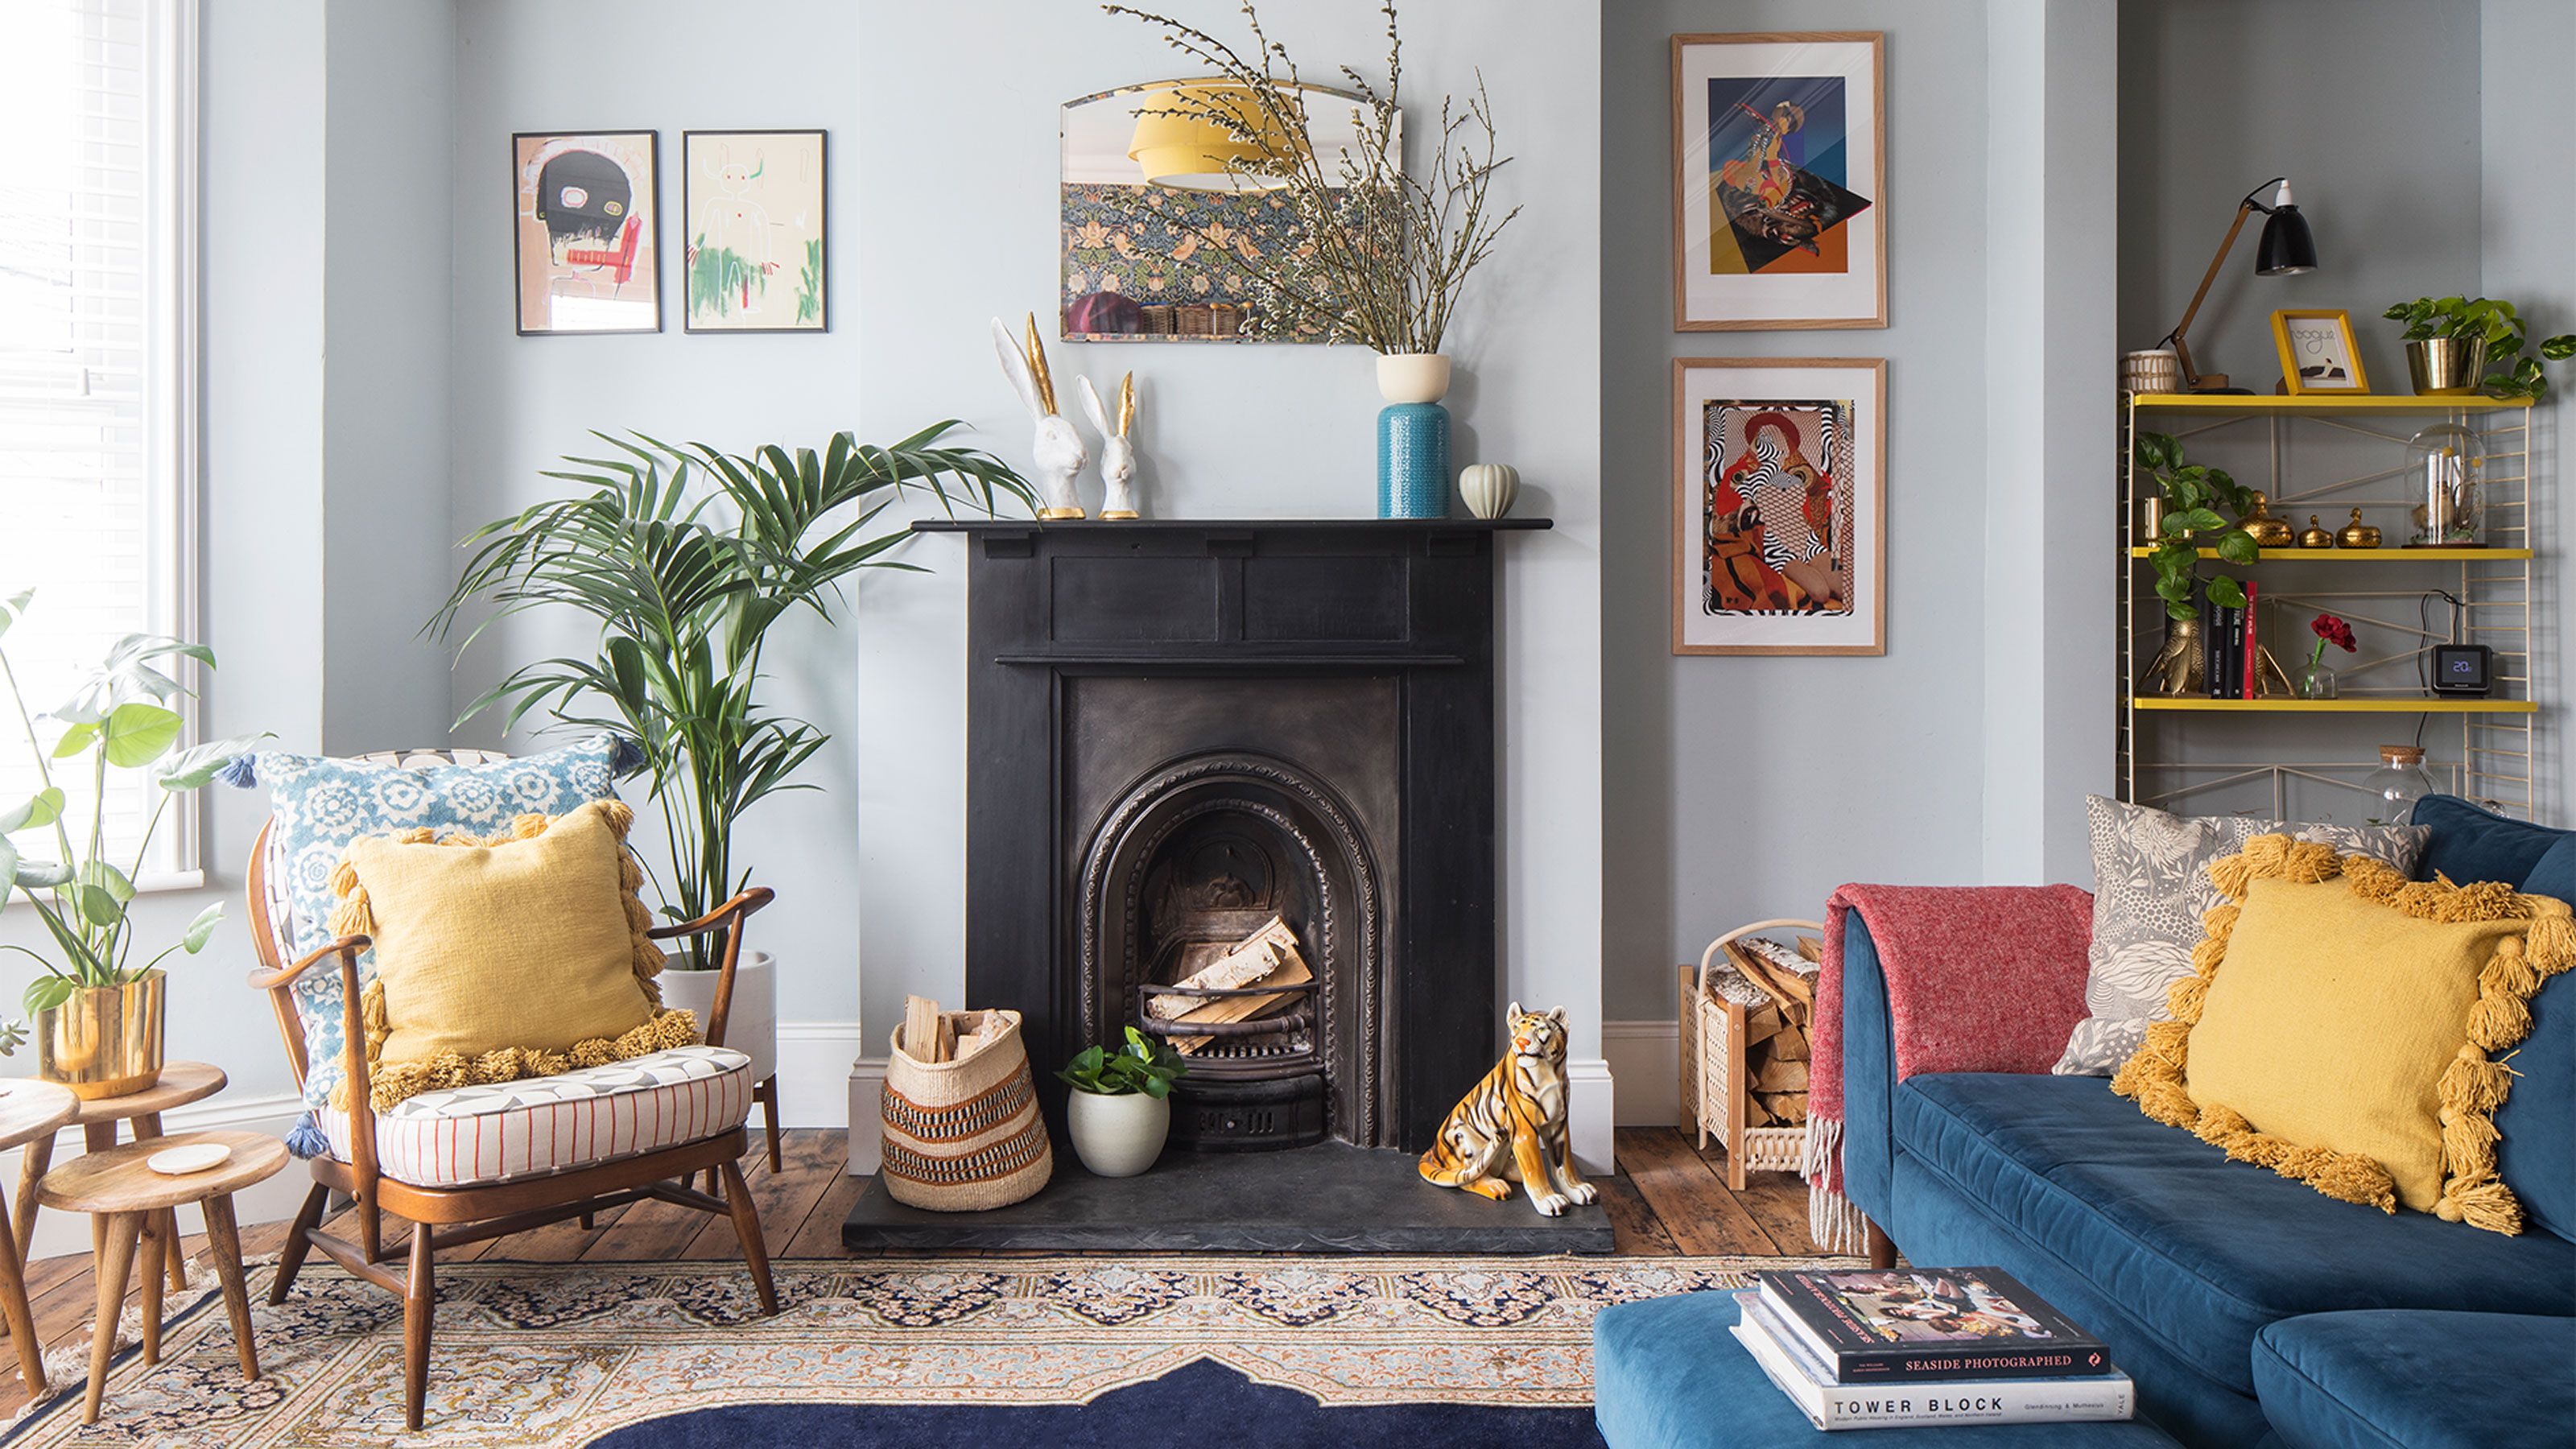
(523, 1187)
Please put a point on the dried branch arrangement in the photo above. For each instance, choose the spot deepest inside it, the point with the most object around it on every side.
(1382, 256)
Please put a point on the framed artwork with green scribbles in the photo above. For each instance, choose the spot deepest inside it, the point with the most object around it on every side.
(757, 248)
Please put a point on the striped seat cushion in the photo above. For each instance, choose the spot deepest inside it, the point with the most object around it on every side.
(554, 1124)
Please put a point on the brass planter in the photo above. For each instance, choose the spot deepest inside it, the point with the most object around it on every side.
(105, 1041)
(2446, 366)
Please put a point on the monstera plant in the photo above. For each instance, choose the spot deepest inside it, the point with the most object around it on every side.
(122, 717)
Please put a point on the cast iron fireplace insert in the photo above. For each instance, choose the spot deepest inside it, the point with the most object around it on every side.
(1179, 729)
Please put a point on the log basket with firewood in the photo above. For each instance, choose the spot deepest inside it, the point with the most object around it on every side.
(1258, 986)
(1745, 1017)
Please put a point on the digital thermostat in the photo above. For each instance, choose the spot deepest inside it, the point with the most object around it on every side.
(2462, 669)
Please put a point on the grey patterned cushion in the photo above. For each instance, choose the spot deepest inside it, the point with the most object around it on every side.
(2150, 887)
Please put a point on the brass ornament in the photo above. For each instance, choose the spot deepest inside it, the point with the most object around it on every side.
(2358, 534)
(2263, 528)
(2315, 535)
(1036, 351)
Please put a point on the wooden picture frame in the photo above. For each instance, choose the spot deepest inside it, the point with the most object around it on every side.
(1779, 180)
(1779, 505)
(755, 231)
(2319, 354)
(587, 257)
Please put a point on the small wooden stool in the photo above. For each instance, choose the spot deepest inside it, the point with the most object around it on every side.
(133, 1203)
(180, 1084)
(30, 1112)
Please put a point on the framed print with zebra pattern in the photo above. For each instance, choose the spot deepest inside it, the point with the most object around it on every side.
(1779, 505)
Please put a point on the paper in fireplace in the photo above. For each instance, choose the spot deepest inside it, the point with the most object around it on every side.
(1266, 957)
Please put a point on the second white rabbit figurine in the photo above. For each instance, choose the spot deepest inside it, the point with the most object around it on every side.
(1117, 446)
(1056, 455)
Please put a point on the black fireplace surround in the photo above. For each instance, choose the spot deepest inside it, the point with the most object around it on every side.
(1177, 730)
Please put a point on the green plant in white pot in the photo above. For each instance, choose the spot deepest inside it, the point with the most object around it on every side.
(98, 1016)
(686, 557)
(1120, 1110)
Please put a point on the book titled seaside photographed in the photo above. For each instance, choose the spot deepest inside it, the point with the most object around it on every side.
(1888, 1404)
(1929, 1324)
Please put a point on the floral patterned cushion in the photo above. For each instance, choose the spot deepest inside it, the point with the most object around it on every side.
(554, 1124)
(319, 805)
(2150, 888)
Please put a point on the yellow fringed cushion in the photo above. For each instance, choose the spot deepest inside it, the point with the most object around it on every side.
(522, 955)
(2341, 1023)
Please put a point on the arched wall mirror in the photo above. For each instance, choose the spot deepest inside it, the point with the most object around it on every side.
(1144, 262)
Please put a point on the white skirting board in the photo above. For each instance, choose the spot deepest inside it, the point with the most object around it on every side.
(812, 1058)
(1590, 1110)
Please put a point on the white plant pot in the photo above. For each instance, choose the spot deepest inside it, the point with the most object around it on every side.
(1118, 1136)
(751, 1023)
(1413, 377)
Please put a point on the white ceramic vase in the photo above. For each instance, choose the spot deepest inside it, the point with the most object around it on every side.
(1413, 377)
(751, 1023)
(1489, 488)
(1118, 1136)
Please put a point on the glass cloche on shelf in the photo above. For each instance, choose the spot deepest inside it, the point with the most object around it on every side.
(2446, 472)
(2397, 784)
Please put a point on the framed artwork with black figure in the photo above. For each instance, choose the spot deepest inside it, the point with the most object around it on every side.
(586, 231)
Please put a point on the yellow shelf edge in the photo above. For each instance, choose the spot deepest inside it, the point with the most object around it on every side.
(2384, 555)
(2337, 706)
(2276, 403)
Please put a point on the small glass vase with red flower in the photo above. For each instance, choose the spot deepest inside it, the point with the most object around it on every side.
(2316, 681)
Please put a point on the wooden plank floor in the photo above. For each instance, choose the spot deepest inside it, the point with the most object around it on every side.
(1667, 1199)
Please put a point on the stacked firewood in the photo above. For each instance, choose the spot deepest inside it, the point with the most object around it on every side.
(1777, 1045)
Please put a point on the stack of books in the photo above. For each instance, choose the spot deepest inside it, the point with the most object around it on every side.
(1866, 1349)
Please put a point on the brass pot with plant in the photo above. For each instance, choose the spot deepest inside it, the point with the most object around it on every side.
(2190, 521)
(99, 1019)
(2461, 345)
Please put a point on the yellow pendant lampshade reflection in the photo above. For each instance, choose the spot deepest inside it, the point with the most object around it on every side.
(1180, 144)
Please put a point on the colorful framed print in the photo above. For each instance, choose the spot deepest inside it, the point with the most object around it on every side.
(1779, 181)
(585, 235)
(751, 204)
(1779, 505)
(2317, 352)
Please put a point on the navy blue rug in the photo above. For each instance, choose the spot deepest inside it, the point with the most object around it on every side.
(1201, 1403)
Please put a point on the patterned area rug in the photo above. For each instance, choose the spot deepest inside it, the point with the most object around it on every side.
(563, 1355)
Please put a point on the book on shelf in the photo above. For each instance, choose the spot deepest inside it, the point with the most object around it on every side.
(1829, 1404)
(1928, 1324)
(2249, 675)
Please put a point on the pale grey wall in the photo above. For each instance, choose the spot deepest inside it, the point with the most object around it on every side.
(2370, 107)
(2528, 241)
(1743, 788)
(960, 226)
(385, 529)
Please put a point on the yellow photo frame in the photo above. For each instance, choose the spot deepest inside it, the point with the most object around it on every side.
(2318, 352)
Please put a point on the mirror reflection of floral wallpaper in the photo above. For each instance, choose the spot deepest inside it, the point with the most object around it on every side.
(1142, 262)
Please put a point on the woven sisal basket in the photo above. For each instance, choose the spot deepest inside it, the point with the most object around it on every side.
(962, 1136)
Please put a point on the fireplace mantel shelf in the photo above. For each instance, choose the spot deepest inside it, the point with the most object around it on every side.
(1232, 525)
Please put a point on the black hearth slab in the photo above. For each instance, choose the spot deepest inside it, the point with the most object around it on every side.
(1331, 1198)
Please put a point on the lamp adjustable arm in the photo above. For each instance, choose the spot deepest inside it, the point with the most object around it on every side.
(2182, 350)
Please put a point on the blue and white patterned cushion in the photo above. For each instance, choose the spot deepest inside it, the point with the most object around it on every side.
(322, 804)
(552, 1124)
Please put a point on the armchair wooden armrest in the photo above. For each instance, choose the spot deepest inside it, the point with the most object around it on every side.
(347, 947)
(727, 918)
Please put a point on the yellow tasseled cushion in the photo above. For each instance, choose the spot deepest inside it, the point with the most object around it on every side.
(2339, 1024)
(520, 956)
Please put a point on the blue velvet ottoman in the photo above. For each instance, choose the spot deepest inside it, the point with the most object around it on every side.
(2369, 1378)
(1666, 1374)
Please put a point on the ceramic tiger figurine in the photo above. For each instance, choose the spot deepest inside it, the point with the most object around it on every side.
(1511, 1128)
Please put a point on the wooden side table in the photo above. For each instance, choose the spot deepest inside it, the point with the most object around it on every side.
(133, 1206)
(30, 1112)
(180, 1084)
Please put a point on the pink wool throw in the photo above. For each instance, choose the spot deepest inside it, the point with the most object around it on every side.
(1979, 979)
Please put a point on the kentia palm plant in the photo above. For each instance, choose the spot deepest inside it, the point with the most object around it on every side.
(686, 556)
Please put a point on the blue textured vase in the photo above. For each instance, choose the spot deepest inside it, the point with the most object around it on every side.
(1413, 461)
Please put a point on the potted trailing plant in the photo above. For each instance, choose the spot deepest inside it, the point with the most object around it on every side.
(2190, 521)
(686, 557)
(98, 1017)
(1382, 256)
(1121, 1106)
(2473, 344)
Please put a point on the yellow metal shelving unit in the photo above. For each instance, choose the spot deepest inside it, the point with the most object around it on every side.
(2490, 740)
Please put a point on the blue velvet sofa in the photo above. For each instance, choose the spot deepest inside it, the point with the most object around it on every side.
(2250, 1309)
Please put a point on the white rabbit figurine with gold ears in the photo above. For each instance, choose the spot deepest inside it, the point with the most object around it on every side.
(1117, 446)
(1057, 454)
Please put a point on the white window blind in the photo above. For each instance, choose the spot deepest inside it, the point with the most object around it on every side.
(96, 375)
